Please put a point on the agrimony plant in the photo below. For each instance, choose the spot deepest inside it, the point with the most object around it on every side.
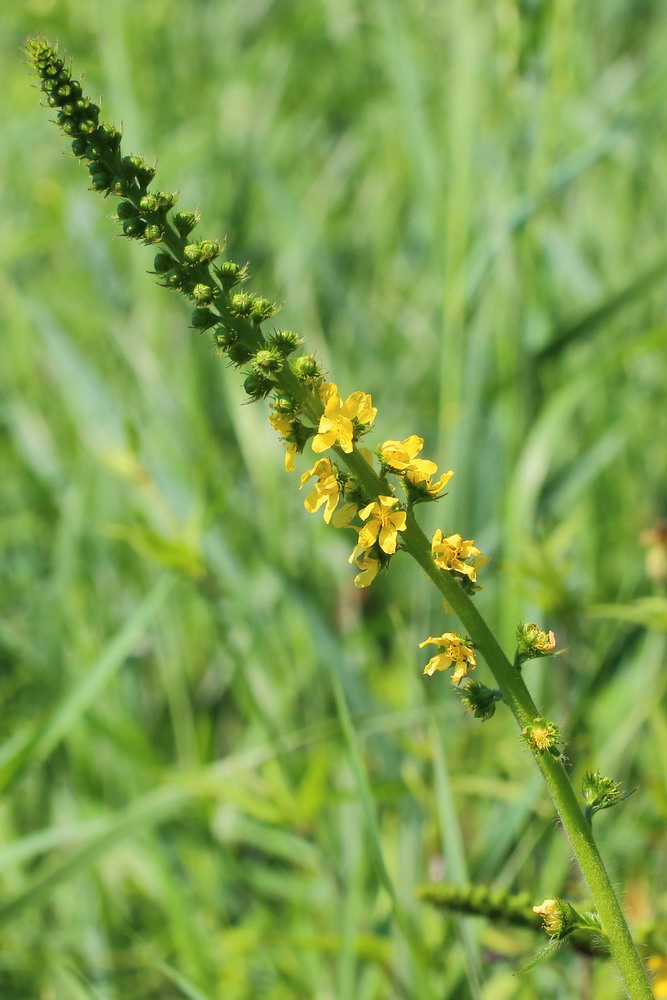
(374, 493)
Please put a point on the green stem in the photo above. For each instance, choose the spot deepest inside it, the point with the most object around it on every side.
(517, 696)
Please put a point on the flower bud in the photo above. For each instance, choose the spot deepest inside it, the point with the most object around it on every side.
(202, 252)
(164, 199)
(185, 222)
(134, 228)
(285, 342)
(224, 338)
(231, 274)
(162, 262)
(202, 319)
(100, 181)
(258, 386)
(241, 304)
(262, 310)
(153, 233)
(266, 361)
(80, 147)
(108, 136)
(286, 405)
(148, 204)
(305, 367)
(202, 293)
(173, 278)
(239, 353)
(126, 210)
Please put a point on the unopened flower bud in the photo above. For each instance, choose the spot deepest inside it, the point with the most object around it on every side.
(203, 319)
(285, 342)
(266, 361)
(162, 263)
(305, 367)
(224, 338)
(202, 293)
(185, 222)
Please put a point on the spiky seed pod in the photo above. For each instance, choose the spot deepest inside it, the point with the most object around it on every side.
(258, 386)
(266, 361)
(109, 136)
(224, 338)
(202, 293)
(185, 222)
(80, 147)
(94, 151)
(203, 319)
(285, 342)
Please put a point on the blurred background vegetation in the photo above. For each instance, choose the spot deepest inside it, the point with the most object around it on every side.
(223, 774)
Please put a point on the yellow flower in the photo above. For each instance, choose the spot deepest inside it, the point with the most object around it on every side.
(341, 419)
(283, 426)
(424, 481)
(556, 916)
(369, 567)
(449, 553)
(400, 456)
(383, 526)
(658, 964)
(457, 651)
(327, 490)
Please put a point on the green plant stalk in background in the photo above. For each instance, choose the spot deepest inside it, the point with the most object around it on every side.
(296, 388)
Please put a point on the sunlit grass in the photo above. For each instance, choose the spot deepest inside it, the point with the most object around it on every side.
(224, 774)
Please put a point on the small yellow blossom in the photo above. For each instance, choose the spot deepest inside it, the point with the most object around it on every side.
(658, 964)
(543, 735)
(327, 489)
(533, 642)
(341, 419)
(369, 567)
(449, 553)
(457, 651)
(383, 526)
(401, 455)
(283, 426)
(425, 483)
(554, 916)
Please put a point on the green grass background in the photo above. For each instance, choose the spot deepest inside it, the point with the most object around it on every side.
(223, 775)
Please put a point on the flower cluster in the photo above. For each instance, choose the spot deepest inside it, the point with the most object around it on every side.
(457, 651)
(400, 458)
(457, 556)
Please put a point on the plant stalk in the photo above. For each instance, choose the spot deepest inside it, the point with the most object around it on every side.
(517, 696)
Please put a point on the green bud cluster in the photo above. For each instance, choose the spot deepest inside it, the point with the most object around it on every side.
(190, 266)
